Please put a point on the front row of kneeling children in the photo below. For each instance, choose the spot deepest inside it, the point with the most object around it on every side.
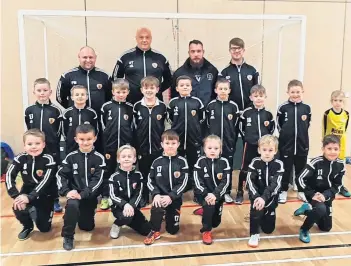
(82, 173)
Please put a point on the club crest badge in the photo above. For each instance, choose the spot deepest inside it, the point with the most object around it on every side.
(176, 174)
(99, 86)
(154, 65)
(304, 117)
(92, 171)
(249, 77)
(266, 123)
(193, 112)
(220, 176)
(40, 173)
(134, 185)
(51, 120)
(159, 117)
(230, 116)
(125, 117)
(108, 156)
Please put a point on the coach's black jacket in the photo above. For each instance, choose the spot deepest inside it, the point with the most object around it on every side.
(255, 123)
(323, 176)
(222, 118)
(96, 81)
(264, 179)
(293, 123)
(38, 175)
(186, 115)
(135, 64)
(168, 176)
(242, 78)
(149, 124)
(47, 118)
(212, 176)
(74, 117)
(82, 172)
(117, 125)
(203, 80)
(126, 187)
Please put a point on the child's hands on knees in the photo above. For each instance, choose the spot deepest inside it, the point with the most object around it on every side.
(73, 194)
(157, 201)
(128, 210)
(165, 201)
(210, 199)
(259, 203)
(318, 197)
(20, 203)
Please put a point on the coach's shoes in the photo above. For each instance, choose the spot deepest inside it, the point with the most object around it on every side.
(283, 197)
(301, 211)
(253, 241)
(207, 238)
(68, 243)
(239, 197)
(151, 237)
(114, 233)
(104, 205)
(301, 196)
(344, 192)
(228, 198)
(24, 234)
(304, 236)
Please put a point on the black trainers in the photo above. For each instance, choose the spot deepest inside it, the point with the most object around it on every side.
(68, 243)
(24, 234)
(239, 197)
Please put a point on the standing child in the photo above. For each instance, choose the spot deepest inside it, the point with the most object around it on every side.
(76, 115)
(255, 122)
(186, 114)
(335, 122)
(319, 188)
(78, 180)
(126, 188)
(167, 180)
(35, 201)
(222, 118)
(264, 180)
(47, 117)
(211, 174)
(117, 125)
(149, 118)
(293, 118)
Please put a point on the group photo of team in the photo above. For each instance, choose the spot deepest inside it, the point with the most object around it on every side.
(145, 134)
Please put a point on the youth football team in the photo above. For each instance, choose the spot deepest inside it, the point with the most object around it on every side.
(144, 160)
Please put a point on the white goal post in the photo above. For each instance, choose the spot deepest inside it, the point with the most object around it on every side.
(69, 13)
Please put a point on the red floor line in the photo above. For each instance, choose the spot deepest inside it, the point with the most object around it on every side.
(184, 206)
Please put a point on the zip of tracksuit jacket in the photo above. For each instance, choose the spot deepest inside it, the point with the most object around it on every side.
(126, 187)
(135, 64)
(95, 80)
(222, 118)
(186, 114)
(38, 176)
(264, 179)
(47, 118)
(168, 176)
(149, 125)
(293, 122)
(242, 78)
(255, 123)
(212, 176)
(72, 118)
(117, 125)
(323, 176)
(81, 171)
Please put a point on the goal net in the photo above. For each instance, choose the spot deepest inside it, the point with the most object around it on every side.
(50, 41)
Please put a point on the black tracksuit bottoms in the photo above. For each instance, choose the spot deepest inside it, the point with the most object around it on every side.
(321, 214)
(212, 215)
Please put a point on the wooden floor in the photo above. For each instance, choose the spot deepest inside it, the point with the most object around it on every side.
(230, 247)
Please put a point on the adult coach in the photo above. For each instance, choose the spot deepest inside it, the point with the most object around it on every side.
(142, 61)
(242, 77)
(202, 73)
(87, 74)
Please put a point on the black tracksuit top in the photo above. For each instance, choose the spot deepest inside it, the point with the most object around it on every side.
(212, 176)
(38, 175)
(126, 187)
(293, 121)
(186, 115)
(82, 172)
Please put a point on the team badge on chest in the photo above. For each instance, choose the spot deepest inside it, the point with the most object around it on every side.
(159, 117)
(249, 77)
(108, 156)
(154, 65)
(193, 112)
(230, 116)
(40, 173)
(125, 117)
(266, 123)
(51, 120)
(176, 174)
(220, 176)
(92, 171)
(134, 185)
(99, 86)
(304, 117)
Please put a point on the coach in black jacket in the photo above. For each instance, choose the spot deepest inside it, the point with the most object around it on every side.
(94, 79)
(142, 61)
(202, 72)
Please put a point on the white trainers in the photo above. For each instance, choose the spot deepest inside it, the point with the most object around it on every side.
(283, 197)
(301, 196)
(253, 241)
(114, 233)
(228, 198)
